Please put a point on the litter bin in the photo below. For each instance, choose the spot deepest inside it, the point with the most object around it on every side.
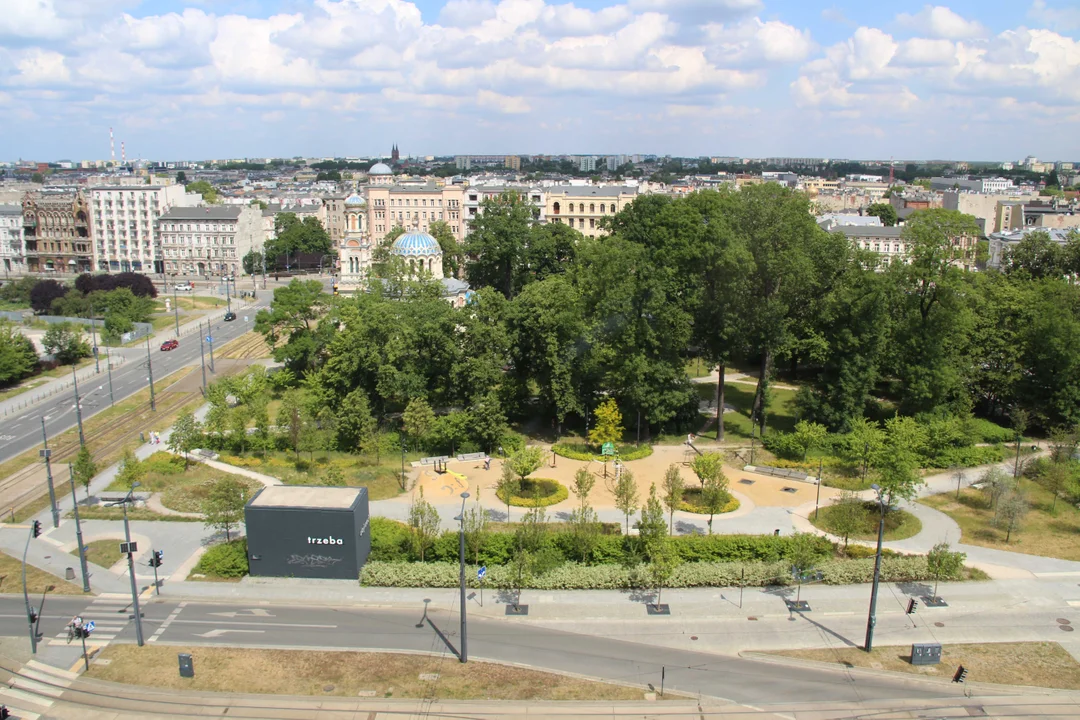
(187, 669)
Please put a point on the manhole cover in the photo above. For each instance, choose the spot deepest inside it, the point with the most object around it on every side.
(693, 637)
(1066, 628)
(789, 490)
(939, 624)
(746, 481)
(1063, 621)
(328, 688)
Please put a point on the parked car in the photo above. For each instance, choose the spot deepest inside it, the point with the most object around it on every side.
(229, 316)
(184, 287)
(170, 345)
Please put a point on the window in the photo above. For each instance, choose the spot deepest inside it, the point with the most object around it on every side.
(602, 208)
(592, 207)
(592, 222)
(555, 208)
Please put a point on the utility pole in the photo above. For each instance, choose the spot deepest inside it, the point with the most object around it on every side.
(202, 358)
(45, 453)
(150, 369)
(108, 365)
(31, 616)
(461, 562)
(78, 532)
(78, 407)
(871, 621)
(210, 342)
(176, 311)
(131, 563)
(93, 335)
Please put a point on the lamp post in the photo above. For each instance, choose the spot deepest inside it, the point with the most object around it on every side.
(130, 497)
(46, 453)
(872, 620)
(78, 406)
(150, 370)
(176, 311)
(210, 342)
(461, 561)
(78, 532)
(108, 366)
(35, 529)
(93, 336)
(202, 358)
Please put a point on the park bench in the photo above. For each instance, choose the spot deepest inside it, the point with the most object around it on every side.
(468, 457)
(786, 474)
(108, 497)
(207, 454)
(434, 459)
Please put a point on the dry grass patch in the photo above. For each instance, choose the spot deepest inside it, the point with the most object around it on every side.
(1037, 664)
(345, 674)
(37, 581)
(1041, 532)
(104, 553)
(249, 345)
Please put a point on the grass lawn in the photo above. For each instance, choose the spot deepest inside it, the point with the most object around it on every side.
(64, 371)
(99, 512)
(1038, 664)
(380, 480)
(899, 524)
(1041, 532)
(105, 553)
(344, 674)
(37, 581)
(184, 491)
(698, 368)
(21, 388)
(779, 416)
(160, 322)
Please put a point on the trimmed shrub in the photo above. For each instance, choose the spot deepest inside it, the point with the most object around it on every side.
(586, 453)
(693, 504)
(550, 491)
(164, 463)
(389, 540)
(965, 457)
(227, 560)
(985, 431)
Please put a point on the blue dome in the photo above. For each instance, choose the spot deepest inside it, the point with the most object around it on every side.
(354, 199)
(380, 169)
(416, 242)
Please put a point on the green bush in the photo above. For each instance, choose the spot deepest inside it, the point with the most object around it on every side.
(389, 540)
(965, 457)
(692, 503)
(550, 492)
(164, 463)
(227, 560)
(587, 453)
(985, 431)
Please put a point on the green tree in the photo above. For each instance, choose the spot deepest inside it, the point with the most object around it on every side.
(663, 561)
(292, 317)
(425, 523)
(885, 211)
(131, 470)
(673, 494)
(847, 516)
(584, 481)
(809, 435)
(626, 494)
(607, 427)
(451, 430)
(714, 496)
(803, 557)
(224, 506)
(451, 249)
(995, 483)
(1020, 420)
(253, 262)
(66, 343)
(707, 466)
(476, 530)
(865, 441)
(238, 426)
(334, 477)
(181, 177)
(508, 485)
(37, 178)
(1056, 479)
(651, 526)
(418, 420)
(497, 242)
(525, 462)
(942, 561)
(18, 358)
(202, 187)
(487, 422)
(356, 426)
(84, 469)
(293, 236)
(585, 531)
(1010, 512)
(290, 419)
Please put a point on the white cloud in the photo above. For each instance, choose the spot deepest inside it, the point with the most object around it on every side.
(941, 22)
(922, 52)
(754, 41)
(466, 13)
(502, 103)
(1066, 18)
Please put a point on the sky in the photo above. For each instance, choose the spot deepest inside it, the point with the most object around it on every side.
(206, 79)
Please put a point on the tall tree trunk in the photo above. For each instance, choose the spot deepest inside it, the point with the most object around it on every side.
(758, 409)
(720, 407)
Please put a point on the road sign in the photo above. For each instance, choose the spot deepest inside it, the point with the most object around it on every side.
(608, 449)
(89, 626)
(481, 572)
(209, 338)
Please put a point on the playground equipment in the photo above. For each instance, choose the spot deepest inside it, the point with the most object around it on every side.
(688, 455)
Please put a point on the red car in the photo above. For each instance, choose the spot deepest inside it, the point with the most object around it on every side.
(170, 345)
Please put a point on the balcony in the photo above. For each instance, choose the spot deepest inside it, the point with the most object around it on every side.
(30, 222)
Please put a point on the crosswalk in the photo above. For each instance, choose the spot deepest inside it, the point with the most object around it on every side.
(109, 611)
(30, 694)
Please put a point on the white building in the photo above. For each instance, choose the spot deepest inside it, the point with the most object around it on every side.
(587, 163)
(475, 195)
(12, 249)
(209, 240)
(124, 218)
(1001, 243)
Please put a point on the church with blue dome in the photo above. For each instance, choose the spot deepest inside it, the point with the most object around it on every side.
(420, 251)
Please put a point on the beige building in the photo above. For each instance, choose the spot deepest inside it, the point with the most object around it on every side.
(12, 253)
(583, 208)
(56, 231)
(415, 206)
(209, 240)
(1017, 215)
(123, 221)
(334, 216)
(889, 245)
(985, 208)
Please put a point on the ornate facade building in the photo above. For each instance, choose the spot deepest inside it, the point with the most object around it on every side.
(354, 250)
(56, 232)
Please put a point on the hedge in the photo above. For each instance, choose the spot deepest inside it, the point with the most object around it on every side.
(581, 451)
(573, 576)
(556, 493)
(227, 560)
(730, 506)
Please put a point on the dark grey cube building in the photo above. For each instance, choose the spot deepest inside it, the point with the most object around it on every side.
(308, 531)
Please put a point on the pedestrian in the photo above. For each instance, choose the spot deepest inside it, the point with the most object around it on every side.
(487, 463)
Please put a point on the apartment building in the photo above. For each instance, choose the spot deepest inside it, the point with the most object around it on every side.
(1036, 214)
(1001, 243)
(12, 253)
(123, 221)
(415, 206)
(56, 231)
(209, 240)
(475, 195)
(584, 207)
(984, 207)
(889, 245)
(333, 218)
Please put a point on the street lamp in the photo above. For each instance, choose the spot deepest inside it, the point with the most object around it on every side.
(461, 560)
(130, 497)
(872, 620)
(78, 406)
(93, 335)
(78, 532)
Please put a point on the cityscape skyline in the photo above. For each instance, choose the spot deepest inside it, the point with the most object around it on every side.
(689, 78)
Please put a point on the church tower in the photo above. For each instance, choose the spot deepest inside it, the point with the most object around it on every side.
(395, 156)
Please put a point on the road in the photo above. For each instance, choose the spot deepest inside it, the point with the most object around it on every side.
(275, 625)
(23, 432)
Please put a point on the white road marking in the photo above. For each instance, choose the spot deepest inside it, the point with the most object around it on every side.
(221, 631)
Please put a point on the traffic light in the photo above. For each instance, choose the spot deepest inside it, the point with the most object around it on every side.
(156, 558)
(37, 528)
(335, 289)
(961, 674)
(912, 605)
(33, 616)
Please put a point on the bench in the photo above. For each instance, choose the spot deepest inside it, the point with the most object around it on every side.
(108, 497)
(796, 475)
(434, 459)
(207, 454)
(468, 457)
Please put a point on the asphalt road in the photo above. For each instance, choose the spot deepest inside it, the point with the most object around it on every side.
(19, 433)
(743, 681)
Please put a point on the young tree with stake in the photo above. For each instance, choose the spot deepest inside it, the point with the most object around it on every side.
(673, 494)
